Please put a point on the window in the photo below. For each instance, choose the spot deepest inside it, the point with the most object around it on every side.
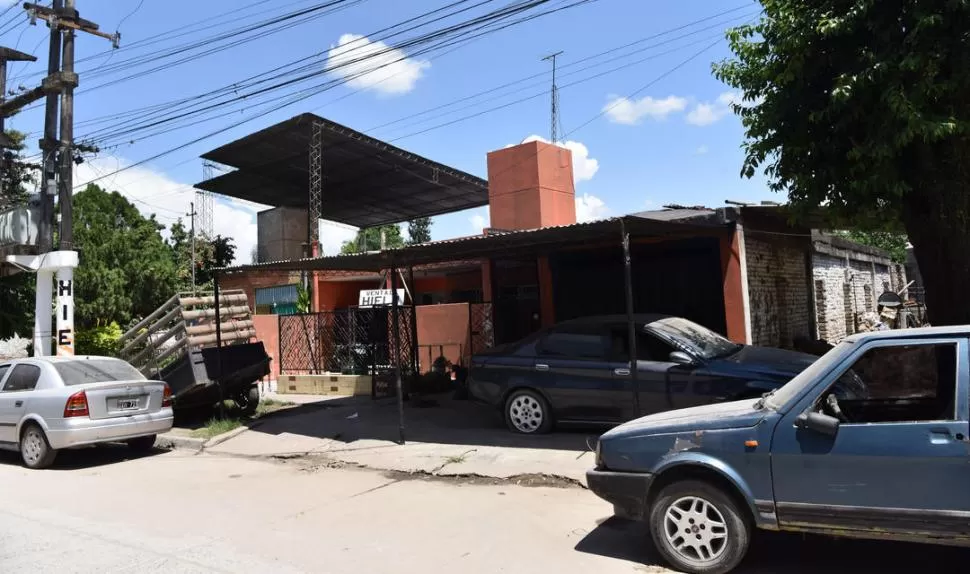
(897, 384)
(96, 371)
(22, 378)
(3, 371)
(649, 348)
(581, 345)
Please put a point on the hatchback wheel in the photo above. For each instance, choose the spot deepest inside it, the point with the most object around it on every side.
(35, 451)
(527, 412)
(698, 528)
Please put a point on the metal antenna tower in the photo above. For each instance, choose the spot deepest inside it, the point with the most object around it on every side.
(554, 97)
(205, 202)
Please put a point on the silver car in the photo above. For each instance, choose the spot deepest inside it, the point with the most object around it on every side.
(52, 403)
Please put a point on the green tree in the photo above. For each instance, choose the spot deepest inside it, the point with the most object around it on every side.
(419, 231)
(16, 291)
(894, 243)
(126, 269)
(209, 254)
(861, 106)
(371, 239)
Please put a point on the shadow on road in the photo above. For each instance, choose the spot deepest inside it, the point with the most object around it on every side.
(773, 552)
(84, 458)
(435, 419)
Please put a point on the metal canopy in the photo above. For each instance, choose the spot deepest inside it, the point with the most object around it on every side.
(533, 241)
(366, 182)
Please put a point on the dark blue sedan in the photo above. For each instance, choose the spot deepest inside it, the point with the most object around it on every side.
(580, 371)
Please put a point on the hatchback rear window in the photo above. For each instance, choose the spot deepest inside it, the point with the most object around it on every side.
(96, 371)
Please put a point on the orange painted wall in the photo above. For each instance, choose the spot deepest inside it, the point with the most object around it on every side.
(332, 295)
(445, 329)
(267, 331)
(734, 311)
(530, 186)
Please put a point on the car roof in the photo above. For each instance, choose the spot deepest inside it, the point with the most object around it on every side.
(639, 318)
(56, 359)
(962, 330)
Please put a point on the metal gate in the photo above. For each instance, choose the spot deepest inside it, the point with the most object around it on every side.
(481, 327)
(354, 341)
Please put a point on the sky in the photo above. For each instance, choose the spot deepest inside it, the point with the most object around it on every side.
(648, 124)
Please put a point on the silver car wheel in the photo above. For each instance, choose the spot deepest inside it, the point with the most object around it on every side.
(695, 529)
(32, 446)
(526, 413)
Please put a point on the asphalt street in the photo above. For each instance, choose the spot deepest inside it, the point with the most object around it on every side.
(100, 511)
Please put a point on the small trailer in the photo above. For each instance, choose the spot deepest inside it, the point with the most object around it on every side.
(179, 344)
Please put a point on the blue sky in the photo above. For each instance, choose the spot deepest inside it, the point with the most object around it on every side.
(674, 142)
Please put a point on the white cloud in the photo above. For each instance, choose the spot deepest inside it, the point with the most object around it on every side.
(589, 207)
(584, 167)
(155, 193)
(701, 150)
(706, 113)
(622, 110)
(479, 221)
(333, 236)
(374, 66)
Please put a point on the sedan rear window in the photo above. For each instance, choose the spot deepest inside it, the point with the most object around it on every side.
(96, 371)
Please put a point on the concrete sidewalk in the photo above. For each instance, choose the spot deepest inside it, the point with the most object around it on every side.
(452, 438)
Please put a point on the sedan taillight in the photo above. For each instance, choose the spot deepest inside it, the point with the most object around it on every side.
(167, 397)
(77, 405)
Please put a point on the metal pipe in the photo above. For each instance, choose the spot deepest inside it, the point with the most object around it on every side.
(396, 323)
(215, 295)
(631, 326)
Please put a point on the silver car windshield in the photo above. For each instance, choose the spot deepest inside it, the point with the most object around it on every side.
(96, 371)
(699, 341)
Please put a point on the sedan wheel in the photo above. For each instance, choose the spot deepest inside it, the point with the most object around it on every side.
(526, 412)
(35, 451)
(698, 528)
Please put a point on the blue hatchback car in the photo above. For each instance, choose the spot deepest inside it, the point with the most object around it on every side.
(870, 441)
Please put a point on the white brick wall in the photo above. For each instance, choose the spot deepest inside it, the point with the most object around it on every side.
(780, 303)
(836, 314)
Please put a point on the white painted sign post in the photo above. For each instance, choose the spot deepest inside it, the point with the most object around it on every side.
(379, 297)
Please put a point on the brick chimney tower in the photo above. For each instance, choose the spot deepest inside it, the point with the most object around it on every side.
(530, 186)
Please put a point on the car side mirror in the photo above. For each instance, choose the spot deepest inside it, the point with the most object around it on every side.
(681, 358)
(818, 422)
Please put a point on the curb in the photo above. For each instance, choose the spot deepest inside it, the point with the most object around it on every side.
(179, 442)
(221, 438)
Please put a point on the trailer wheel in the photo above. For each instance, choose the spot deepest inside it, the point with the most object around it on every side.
(248, 400)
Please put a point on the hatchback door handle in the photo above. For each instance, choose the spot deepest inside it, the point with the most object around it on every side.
(541, 367)
(621, 372)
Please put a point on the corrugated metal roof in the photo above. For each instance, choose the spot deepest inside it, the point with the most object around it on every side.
(366, 182)
(521, 242)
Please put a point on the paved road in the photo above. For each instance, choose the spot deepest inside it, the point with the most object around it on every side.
(175, 512)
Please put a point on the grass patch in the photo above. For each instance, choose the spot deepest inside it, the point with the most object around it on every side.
(216, 426)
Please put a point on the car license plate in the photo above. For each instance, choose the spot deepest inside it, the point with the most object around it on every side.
(127, 404)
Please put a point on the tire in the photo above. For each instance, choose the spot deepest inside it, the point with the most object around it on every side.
(248, 400)
(35, 451)
(526, 412)
(702, 508)
(142, 444)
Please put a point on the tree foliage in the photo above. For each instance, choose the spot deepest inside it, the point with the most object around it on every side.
(17, 175)
(371, 239)
(861, 106)
(209, 254)
(16, 291)
(419, 231)
(894, 243)
(126, 269)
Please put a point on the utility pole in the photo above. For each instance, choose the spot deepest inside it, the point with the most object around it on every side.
(7, 55)
(192, 216)
(57, 174)
(554, 96)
